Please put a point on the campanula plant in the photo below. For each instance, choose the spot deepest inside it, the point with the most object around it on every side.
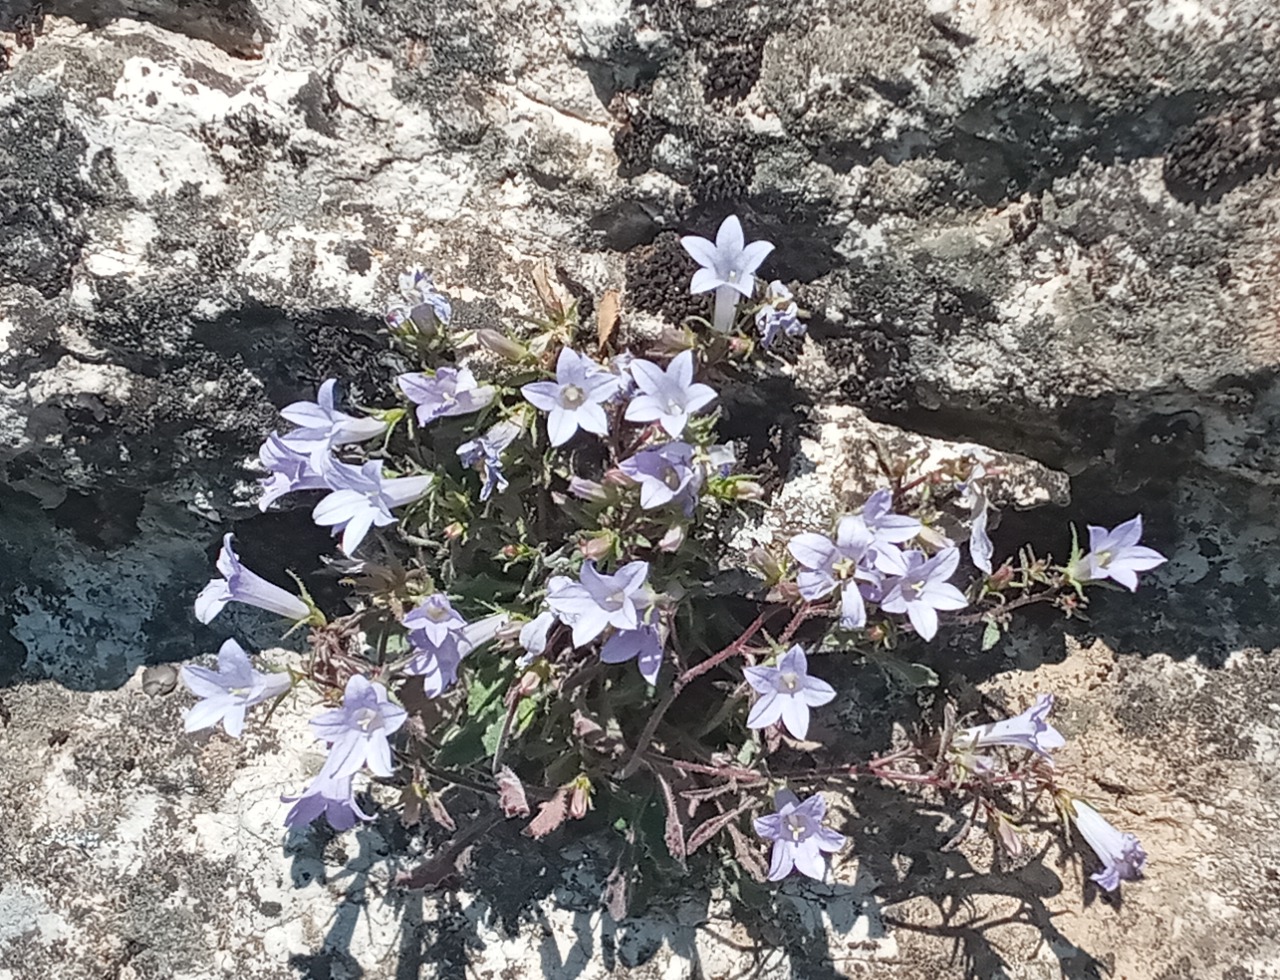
(543, 605)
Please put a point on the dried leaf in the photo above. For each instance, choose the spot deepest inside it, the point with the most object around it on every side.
(550, 815)
(435, 807)
(410, 807)
(608, 317)
(552, 300)
(617, 892)
(585, 727)
(434, 873)
(674, 833)
(710, 828)
(748, 855)
(511, 794)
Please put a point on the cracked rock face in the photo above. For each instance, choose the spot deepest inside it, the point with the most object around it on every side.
(1045, 228)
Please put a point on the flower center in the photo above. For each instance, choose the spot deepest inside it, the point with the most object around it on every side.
(1103, 558)
(844, 567)
(675, 406)
(241, 692)
(437, 614)
(367, 719)
(571, 396)
(671, 477)
(615, 600)
(788, 682)
(797, 827)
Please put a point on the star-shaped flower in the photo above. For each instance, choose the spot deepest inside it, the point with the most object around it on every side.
(362, 498)
(290, 470)
(575, 399)
(799, 838)
(598, 601)
(1029, 730)
(787, 692)
(357, 731)
(226, 692)
(321, 424)
(238, 584)
(450, 391)
(669, 396)
(332, 797)
(642, 644)
(728, 266)
(924, 589)
(665, 473)
(1116, 555)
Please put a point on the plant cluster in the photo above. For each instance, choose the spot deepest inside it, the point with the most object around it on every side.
(542, 510)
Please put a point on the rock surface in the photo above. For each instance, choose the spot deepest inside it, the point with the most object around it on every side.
(1047, 228)
(143, 853)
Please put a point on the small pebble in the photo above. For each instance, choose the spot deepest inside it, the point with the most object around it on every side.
(159, 679)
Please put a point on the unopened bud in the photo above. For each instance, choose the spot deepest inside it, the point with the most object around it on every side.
(1009, 834)
(502, 345)
(1001, 577)
(876, 633)
(586, 489)
(598, 546)
(510, 552)
(615, 477)
(673, 539)
(747, 490)
(580, 798)
(763, 562)
(454, 531)
(739, 346)
(528, 683)
(934, 538)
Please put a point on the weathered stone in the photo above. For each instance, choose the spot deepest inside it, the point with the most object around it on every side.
(1044, 228)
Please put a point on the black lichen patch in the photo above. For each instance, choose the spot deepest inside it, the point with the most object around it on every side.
(1223, 150)
(244, 141)
(733, 69)
(105, 519)
(442, 47)
(233, 25)
(43, 196)
(637, 136)
(626, 224)
(658, 280)
(764, 418)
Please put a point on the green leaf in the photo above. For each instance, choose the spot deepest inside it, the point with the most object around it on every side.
(913, 675)
(990, 635)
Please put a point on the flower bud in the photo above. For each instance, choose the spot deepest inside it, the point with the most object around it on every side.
(454, 531)
(1001, 577)
(763, 562)
(673, 539)
(510, 552)
(597, 546)
(877, 633)
(528, 683)
(615, 477)
(580, 798)
(739, 346)
(502, 345)
(1009, 834)
(586, 489)
(934, 538)
(746, 490)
